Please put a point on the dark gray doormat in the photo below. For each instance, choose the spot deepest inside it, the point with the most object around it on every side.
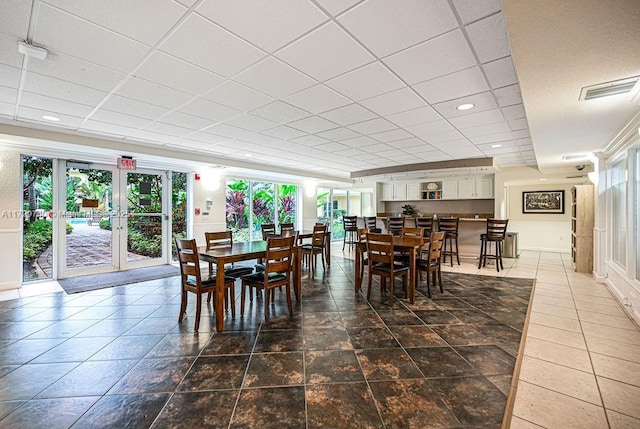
(105, 280)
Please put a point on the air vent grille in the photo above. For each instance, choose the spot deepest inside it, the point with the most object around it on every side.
(609, 88)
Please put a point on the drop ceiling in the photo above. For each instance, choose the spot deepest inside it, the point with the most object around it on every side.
(318, 88)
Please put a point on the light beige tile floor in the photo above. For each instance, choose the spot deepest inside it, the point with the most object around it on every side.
(581, 363)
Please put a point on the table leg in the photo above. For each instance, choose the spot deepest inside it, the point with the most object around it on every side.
(412, 275)
(358, 281)
(327, 248)
(220, 289)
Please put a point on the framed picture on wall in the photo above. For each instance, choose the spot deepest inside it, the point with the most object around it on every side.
(543, 202)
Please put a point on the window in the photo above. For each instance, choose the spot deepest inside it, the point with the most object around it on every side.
(37, 203)
(619, 213)
(253, 203)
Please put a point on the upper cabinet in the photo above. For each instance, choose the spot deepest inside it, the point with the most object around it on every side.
(471, 188)
(450, 189)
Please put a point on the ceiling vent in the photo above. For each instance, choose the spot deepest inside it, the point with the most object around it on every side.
(606, 89)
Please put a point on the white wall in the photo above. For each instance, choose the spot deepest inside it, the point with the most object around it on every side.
(10, 220)
(544, 232)
(210, 187)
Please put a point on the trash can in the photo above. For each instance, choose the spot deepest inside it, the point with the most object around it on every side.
(510, 249)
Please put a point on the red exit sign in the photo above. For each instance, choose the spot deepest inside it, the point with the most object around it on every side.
(126, 164)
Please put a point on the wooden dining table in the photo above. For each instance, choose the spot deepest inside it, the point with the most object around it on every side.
(410, 245)
(243, 251)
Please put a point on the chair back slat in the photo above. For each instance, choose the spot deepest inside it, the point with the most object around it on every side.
(218, 239)
(279, 255)
(426, 223)
(413, 232)
(380, 248)
(436, 241)
(350, 223)
(188, 258)
(395, 225)
(497, 228)
(448, 224)
(268, 229)
(286, 227)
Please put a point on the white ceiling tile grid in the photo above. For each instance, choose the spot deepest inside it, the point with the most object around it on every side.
(375, 83)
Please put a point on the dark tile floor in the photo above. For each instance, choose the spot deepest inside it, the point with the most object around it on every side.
(117, 358)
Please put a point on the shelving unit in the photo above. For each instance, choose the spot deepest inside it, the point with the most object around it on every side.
(582, 228)
(431, 190)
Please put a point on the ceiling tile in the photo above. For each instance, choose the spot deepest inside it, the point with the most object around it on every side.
(229, 131)
(149, 92)
(482, 101)
(78, 71)
(187, 121)
(418, 19)
(251, 122)
(394, 102)
(57, 88)
(470, 11)
(413, 143)
(96, 45)
(131, 19)
(489, 138)
(177, 74)
(350, 153)
(317, 99)
(500, 72)
(284, 132)
(196, 37)
(389, 136)
(104, 128)
(437, 57)
(132, 107)
(358, 142)
(375, 148)
(172, 130)
(334, 7)
(366, 82)
(8, 95)
(280, 112)
(513, 112)
(508, 95)
(54, 105)
(10, 76)
(518, 124)
(238, 96)
(498, 127)
(275, 78)
(427, 129)
(519, 134)
(313, 124)
(120, 119)
(14, 19)
(332, 147)
(310, 140)
(489, 38)
(334, 53)
(373, 126)
(477, 119)
(454, 85)
(9, 51)
(35, 115)
(339, 134)
(209, 110)
(350, 114)
(269, 24)
(414, 116)
(444, 139)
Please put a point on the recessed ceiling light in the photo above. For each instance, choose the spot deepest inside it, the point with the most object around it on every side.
(543, 179)
(466, 106)
(51, 118)
(248, 155)
(496, 145)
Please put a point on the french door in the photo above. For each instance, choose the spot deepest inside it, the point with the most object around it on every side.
(110, 219)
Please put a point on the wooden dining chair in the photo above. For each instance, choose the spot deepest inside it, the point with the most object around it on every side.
(222, 239)
(278, 272)
(192, 280)
(432, 262)
(361, 251)
(381, 262)
(288, 226)
(267, 230)
(371, 223)
(310, 251)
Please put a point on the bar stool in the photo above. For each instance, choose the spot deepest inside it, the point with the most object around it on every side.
(350, 224)
(496, 232)
(370, 222)
(449, 225)
(395, 225)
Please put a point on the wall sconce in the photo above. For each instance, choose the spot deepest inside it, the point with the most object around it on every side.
(210, 180)
(310, 188)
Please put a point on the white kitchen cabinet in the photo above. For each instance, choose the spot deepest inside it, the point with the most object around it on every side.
(449, 189)
(395, 191)
(387, 191)
(475, 188)
(413, 191)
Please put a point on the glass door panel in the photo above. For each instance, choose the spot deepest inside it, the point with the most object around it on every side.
(339, 209)
(146, 221)
(262, 206)
(88, 221)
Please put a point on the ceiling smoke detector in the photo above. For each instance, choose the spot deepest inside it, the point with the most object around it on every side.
(606, 89)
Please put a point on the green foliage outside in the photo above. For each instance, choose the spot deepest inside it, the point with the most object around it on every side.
(37, 238)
